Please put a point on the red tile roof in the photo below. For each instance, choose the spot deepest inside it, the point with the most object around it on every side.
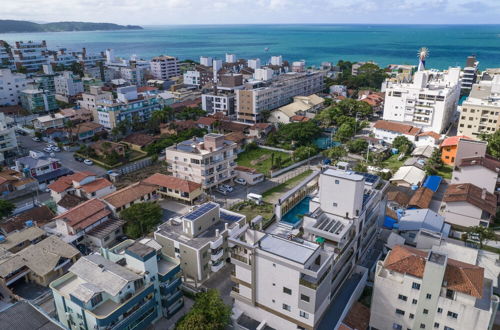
(96, 185)
(421, 198)
(85, 214)
(129, 194)
(467, 192)
(358, 317)
(299, 118)
(207, 121)
(397, 127)
(41, 215)
(171, 182)
(458, 276)
(452, 140)
(66, 182)
(435, 135)
(146, 89)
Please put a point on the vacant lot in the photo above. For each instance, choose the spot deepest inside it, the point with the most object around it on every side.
(273, 194)
(261, 159)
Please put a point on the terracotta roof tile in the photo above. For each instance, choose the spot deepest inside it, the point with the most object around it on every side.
(207, 121)
(399, 197)
(299, 118)
(85, 214)
(70, 201)
(232, 126)
(66, 182)
(397, 127)
(96, 185)
(467, 192)
(452, 140)
(129, 194)
(171, 182)
(432, 134)
(235, 137)
(358, 317)
(421, 198)
(41, 215)
(459, 276)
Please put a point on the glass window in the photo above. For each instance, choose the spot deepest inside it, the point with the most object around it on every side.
(287, 290)
(415, 286)
(401, 297)
(400, 312)
(304, 298)
(287, 307)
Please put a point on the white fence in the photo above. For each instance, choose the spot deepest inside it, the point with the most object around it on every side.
(276, 149)
(291, 167)
(135, 166)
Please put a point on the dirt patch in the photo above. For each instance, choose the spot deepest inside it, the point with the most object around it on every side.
(141, 174)
(259, 160)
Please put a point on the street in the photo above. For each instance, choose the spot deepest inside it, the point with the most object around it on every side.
(65, 157)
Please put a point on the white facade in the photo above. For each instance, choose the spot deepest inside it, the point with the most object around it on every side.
(277, 60)
(206, 61)
(299, 66)
(8, 140)
(11, 85)
(231, 58)
(68, 84)
(30, 55)
(254, 63)
(213, 103)
(164, 67)
(192, 78)
(405, 301)
(429, 102)
(263, 74)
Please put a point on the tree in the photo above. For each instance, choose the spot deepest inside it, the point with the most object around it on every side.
(295, 134)
(335, 153)
(402, 144)
(345, 132)
(304, 152)
(6, 208)
(141, 218)
(208, 313)
(434, 163)
(493, 140)
(484, 234)
(357, 146)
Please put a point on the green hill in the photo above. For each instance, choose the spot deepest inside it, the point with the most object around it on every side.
(7, 26)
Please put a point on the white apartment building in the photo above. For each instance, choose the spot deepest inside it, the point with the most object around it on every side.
(254, 63)
(231, 58)
(277, 60)
(220, 102)
(30, 55)
(299, 66)
(429, 102)
(206, 61)
(192, 78)
(5, 57)
(209, 160)
(68, 84)
(480, 112)
(263, 74)
(286, 282)
(8, 140)
(255, 98)
(428, 290)
(164, 67)
(11, 85)
(469, 73)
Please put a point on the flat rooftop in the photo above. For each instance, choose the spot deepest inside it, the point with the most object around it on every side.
(349, 175)
(288, 249)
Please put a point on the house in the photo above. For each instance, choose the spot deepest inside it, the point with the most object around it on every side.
(77, 115)
(227, 126)
(407, 176)
(37, 216)
(481, 171)
(138, 141)
(177, 126)
(40, 167)
(428, 139)
(239, 138)
(421, 198)
(126, 197)
(412, 221)
(306, 106)
(14, 184)
(467, 205)
(423, 151)
(54, 120)
(103, 148)
(206, 123)
(169, 186)
(298, 119)
(82, 184)
(454, 148)
(18, 240)
(68, 202)
(250, 175)
(84, 131)
(388, 131)
(260, 130)
(88, 223)
(39, 262)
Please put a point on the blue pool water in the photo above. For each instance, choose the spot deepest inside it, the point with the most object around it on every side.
(292, 217)
(325, 142)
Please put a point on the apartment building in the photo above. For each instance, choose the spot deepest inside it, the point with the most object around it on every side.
(481, 171)
(11, 85)
(68, 85)
(221, 101)
(429, 102)
(469, 73)
(128, 105)
(480, 112)
(31, 55)
(428, 290)
(93, 96)
(5, 57)
(164, 67)
(8, 139)
(255, 98)
(199, 240)
(286, 282)
(37, 100)
(129, 286)
(209, 160)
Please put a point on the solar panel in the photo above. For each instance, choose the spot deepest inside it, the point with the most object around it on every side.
(200, 211)
(229, 217)
(369, 178)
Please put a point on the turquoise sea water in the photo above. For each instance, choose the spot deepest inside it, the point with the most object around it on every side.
(384, 44)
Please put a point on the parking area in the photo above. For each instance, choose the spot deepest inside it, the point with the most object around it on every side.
(173, 208)
(221, 281)
(240, 192)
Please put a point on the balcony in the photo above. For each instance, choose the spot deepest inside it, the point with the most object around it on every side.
(217, 243)
(135, 314)
(217, 255)
(215, 267)
(240, 258)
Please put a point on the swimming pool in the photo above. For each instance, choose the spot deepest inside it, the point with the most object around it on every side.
(325, 142)
(292, 216)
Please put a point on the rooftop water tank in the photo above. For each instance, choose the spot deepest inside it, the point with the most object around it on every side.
(29, 223)
(2, 239)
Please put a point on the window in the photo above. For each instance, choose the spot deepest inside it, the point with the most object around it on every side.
(400, 312)
(448, 328)
(335, 204)
(412, 316)
(450, 294)
(414, 301)
(422, 326)
(452, 315)
(97, 299)
(428, 296)
(304, 314)
(426, 311)
(305, 298)
(177, 250)
(337, 182)
(403, 298)
(415, 286)
(286, 307)
(287, 290)
(440, 310)
(397, 326)
(436, 325)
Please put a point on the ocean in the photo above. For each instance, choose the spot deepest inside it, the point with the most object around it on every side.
(449, 45)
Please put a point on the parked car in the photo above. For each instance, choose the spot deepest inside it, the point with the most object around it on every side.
(78, 158)
(48, 149)
(56, 149)
(221, 190)
(88, 162)
(240, 181)
(227, 187)
(20, 132)
(36, 139)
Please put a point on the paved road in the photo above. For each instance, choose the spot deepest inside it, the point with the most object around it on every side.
(65, 157)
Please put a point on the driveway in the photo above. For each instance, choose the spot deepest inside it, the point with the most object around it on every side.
(221, 281)
(65, 157)
(173, 208)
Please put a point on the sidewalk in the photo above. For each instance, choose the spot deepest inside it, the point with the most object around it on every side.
(164, 324)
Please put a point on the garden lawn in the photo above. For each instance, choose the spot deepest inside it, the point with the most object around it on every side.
(393, 163)
(251, 210)
(446, 171)
(274, 193)
(260, 159)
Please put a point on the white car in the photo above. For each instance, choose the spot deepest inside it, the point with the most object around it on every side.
(49, 150)
(88, 162)
(227, 187)
(56, 149)
(36, 139)
(240, 181)
(221, 190)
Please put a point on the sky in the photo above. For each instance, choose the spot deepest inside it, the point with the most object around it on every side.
(166, 12)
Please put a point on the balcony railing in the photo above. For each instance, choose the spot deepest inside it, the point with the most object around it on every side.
(240, 258)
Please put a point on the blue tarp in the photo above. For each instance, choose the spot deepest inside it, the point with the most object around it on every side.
(389, 222)
(432, 182)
